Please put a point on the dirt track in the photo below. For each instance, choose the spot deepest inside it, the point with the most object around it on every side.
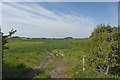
(38, 69)
(58, 71)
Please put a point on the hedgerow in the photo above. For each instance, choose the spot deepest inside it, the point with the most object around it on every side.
(104, 52)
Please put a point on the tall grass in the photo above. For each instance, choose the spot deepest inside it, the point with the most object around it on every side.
(74, 61)
(24, 54)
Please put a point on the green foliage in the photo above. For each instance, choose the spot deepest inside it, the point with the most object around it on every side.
(74, 59)
(26, 53)
(104, 51)
(4, 39)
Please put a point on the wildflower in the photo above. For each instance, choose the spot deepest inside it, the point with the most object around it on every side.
(76, 72)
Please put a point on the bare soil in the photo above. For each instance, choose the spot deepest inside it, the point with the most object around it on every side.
(58, 71)
(38, 69)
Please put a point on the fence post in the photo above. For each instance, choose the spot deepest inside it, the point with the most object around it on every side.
(83, 63)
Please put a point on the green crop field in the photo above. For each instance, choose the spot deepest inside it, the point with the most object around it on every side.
(26, 53)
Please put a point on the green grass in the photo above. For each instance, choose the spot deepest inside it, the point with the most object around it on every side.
(24, 54)
(48, 68)
(29, 53)
(74, 61)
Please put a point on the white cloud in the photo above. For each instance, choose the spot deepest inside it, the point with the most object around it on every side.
(32, 20)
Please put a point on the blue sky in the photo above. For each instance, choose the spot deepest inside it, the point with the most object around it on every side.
(57, 19)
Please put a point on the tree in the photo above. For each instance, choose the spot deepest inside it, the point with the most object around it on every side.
(4, 39)
(104, 53)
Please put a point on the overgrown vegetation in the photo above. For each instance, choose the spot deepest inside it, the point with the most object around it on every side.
(28, 53)
(4, 39)
(104, 54)
(101, 50)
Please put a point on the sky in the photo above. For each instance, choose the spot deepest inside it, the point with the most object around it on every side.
(57, 19)
(60, 0)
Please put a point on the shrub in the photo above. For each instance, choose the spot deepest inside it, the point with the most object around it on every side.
(104, 54)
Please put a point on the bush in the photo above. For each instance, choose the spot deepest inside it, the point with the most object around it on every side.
(104, 54)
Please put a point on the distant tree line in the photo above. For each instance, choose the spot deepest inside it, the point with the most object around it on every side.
(68, 38)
